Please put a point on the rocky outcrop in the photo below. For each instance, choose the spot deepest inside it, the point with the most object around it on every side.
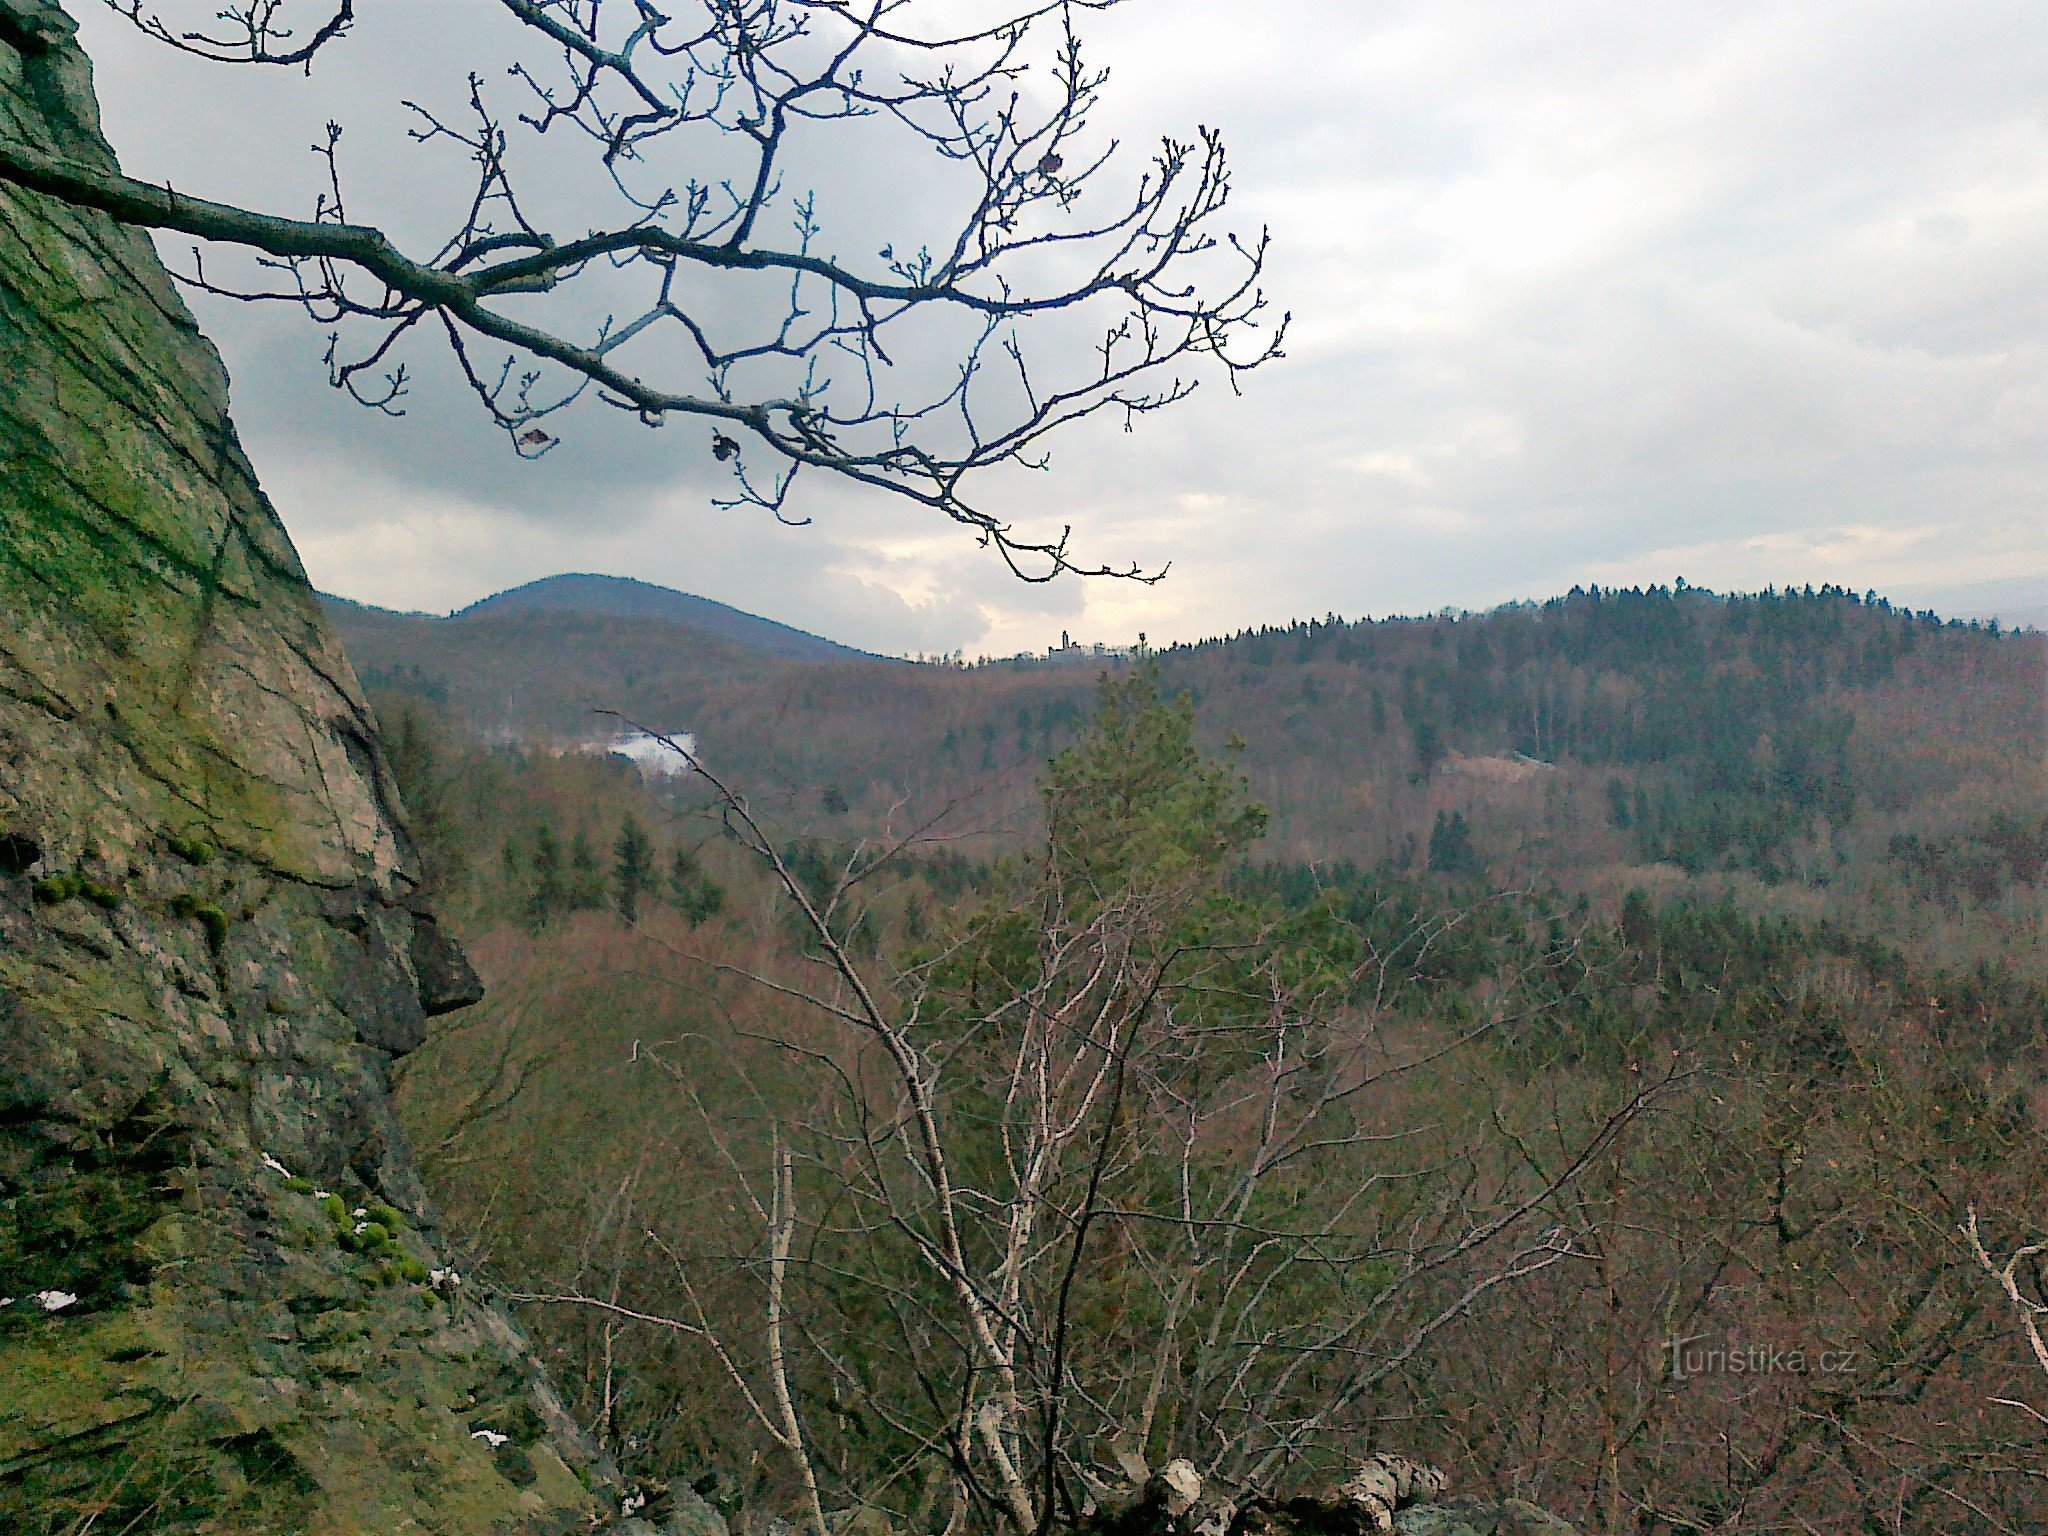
(220, 1307)
(1385, 1495)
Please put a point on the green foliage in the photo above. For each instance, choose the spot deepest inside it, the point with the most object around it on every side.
(423, 784)
(548, 895)
(72, 886)
(193, 850)
(1142, 830)
(1450, 847)
(402, 1269)
(1619, 806)
(207, 914)
(1135, 803)
(632, 869)
(1429, 742)
(694, 894)
(1977, 864)
(371, 1230)
(54, 889)
(1701, 971)
(583, 884)
(73, 1227)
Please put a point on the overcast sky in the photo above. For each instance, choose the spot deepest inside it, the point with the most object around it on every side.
(1745, 293)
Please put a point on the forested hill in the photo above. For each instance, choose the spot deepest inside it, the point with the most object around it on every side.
(623, 597)
(1726, 726)
(1783, 737)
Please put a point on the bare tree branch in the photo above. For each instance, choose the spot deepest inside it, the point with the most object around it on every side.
(912, 372)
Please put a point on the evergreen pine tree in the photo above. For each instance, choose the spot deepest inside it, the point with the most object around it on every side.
(511, 876)
(1450, 846)
(586, 880)
(632, 869)
(547, 895)
(694, 894)
(422, 785)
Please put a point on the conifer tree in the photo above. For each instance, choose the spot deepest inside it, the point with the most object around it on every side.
(632, 869)
(586, 880)
(1450, 846)
(694, 894)
(547, 895)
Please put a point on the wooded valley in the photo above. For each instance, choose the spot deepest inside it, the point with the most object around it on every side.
(1566, 1043)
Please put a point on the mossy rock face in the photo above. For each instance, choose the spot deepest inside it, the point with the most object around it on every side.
(211, 949)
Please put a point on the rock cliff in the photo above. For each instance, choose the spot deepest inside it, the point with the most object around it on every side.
(220, 1311)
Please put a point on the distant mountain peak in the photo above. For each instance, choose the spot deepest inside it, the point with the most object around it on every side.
(625, 597)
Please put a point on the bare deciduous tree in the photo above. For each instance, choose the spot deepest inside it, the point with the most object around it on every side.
(2029, 1308)
(910, 369)
(1113, 1175)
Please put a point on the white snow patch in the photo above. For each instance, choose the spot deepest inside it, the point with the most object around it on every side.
(55, 1301)
(489, 1437)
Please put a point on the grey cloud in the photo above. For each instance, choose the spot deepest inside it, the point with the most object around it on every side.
(1747, 293)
